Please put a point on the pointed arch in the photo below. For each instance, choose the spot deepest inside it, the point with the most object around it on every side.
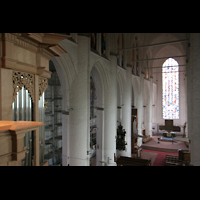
(98, 81)
(103, 73)
(121, 79)
(61, 65)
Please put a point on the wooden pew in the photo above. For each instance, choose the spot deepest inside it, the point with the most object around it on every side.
(128, 161)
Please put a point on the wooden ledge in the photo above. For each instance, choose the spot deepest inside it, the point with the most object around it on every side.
(50, 41)
(18, 125)
(14, 140)
(46, 38)
(4, 127)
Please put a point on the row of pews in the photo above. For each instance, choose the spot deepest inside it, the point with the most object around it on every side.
(129, 161)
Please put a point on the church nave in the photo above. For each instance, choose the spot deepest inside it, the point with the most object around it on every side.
(98, 98)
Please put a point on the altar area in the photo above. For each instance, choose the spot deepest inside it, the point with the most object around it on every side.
(164, 146)
(169, 139)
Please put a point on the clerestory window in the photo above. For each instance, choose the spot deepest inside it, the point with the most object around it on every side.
(170, 89)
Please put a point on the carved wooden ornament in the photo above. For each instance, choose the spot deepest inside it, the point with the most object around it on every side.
(21, 79)
(43, 84)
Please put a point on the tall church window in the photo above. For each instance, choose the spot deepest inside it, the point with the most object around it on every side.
(93, 41)
(93, 117)
(103, 44)
(133, 61)
(137, 63)
(170, 89)
(118, 48)
(146, 71)
(92, 98)
(122, 59)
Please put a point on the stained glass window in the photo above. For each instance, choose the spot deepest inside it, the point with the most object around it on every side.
(92, 97)
(170, 89)
(93, 40)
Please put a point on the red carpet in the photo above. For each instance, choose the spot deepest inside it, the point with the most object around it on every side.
(160, 158)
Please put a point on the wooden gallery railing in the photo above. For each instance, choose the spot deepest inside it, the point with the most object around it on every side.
(12, 149)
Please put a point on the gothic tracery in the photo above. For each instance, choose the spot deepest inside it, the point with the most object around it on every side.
(21, 79)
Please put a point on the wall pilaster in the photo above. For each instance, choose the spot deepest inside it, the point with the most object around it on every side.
(193, 70)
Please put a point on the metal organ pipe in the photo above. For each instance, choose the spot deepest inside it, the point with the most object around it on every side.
(22, 110)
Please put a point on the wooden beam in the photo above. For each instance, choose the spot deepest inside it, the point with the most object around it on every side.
(46, 38)
(53, 38)
(165, 66)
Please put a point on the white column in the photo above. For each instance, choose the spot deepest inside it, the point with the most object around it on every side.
(110, 112)
(126, 111)
(150, 107)
(140, 109)
(193, 70)
(79, 137)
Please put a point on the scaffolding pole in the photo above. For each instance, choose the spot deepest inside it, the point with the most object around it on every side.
(167, 72)
(160, 58)
(157, 44)
(53, 127)
(164, 66)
